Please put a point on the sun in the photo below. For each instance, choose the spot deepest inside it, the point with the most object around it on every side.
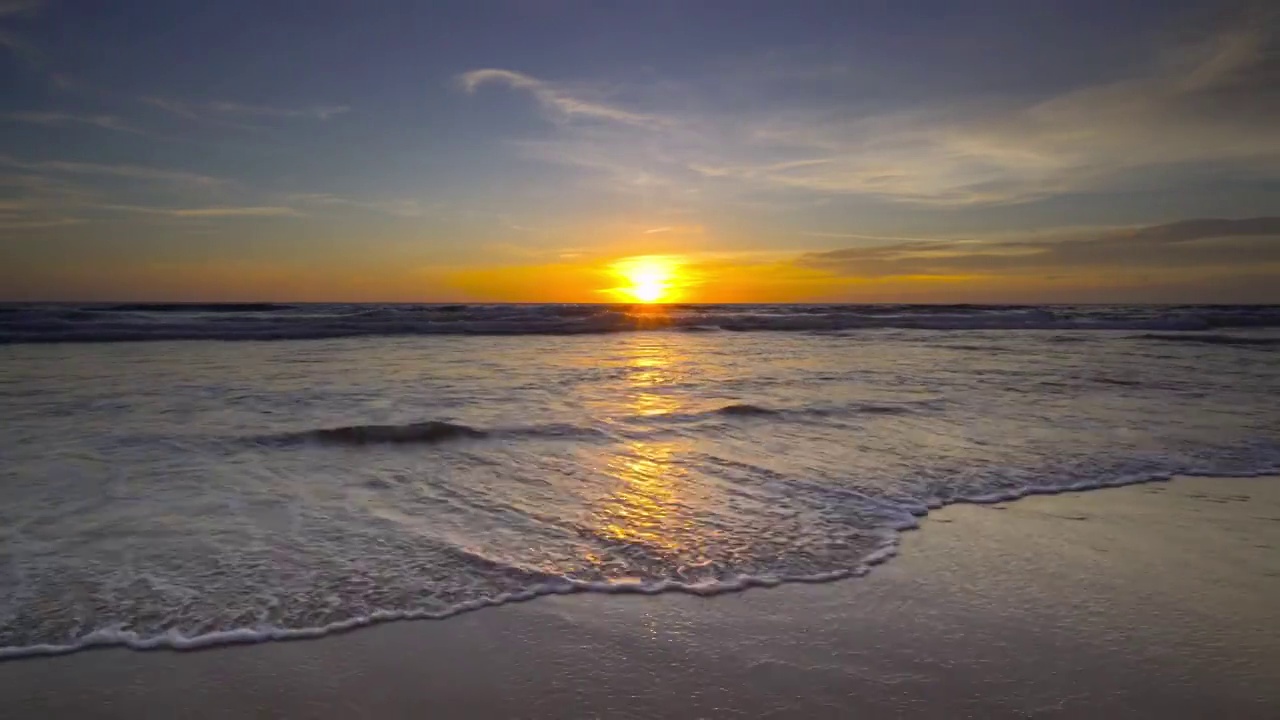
(648, 284)
(651, 278)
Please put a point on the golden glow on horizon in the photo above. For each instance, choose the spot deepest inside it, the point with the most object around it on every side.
(651, 278)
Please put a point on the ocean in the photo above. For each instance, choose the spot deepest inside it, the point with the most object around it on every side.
(190, 475)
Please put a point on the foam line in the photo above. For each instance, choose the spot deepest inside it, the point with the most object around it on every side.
(884, 552)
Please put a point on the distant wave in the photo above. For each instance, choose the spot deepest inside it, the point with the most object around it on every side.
(269, 321)
(1212, 339)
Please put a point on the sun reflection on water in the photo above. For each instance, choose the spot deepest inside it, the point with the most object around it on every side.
(640, 510)
(647, 516)
(651, 366)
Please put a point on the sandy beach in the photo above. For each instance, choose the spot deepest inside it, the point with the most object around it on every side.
(1157, 600)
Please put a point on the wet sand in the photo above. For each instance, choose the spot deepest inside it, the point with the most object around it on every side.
(1159, 600)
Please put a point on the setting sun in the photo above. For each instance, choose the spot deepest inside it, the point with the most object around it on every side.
(650, 278)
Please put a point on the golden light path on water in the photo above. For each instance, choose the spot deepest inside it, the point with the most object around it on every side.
(650, 510)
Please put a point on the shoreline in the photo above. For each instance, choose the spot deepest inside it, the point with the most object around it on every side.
(886, 552)
(1159, 593)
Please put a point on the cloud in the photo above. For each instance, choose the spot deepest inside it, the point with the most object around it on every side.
(177, 108)
(675, 230)
(231, 113)
(40, 204)
(211, 212)
(1201, 107)
(318, 112)
(862, 236)
(9, 224)
(557, 99)
(399, 207)
(1199, 244)
(132, 172)
(107, 122)
(1207, 102)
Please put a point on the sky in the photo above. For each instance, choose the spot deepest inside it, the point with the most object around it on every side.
(542, 150)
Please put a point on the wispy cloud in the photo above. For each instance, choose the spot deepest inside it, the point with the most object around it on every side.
(19, 223)
(210, 212)
(225, 112)
(399, 207)
(878, 239)
(560, 100)
(173, 106)
(318, 112)
(1207, 102)
(34, 202)
(527, 253)
(675, 230)
(106, 122)
(132, 172)
(1247, 243)
(1197, 106)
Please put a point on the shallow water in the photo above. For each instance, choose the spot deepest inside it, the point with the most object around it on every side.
(184, 493)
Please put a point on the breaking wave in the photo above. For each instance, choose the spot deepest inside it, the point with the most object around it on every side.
(883, 549)
(269, 321)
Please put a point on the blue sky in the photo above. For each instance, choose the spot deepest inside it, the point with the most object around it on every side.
(991, 151)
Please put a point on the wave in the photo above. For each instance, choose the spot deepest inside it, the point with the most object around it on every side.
(267, 321)
(899, 409)
(744, 409)
(429, 432)
(432, 432)
(1212, 339)
(174, 640)
(749, 410)
(1123, 382)
(885, 550)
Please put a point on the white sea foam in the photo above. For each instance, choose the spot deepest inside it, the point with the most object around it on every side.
(888, 549)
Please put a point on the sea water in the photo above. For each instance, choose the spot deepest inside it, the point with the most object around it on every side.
(186, 475)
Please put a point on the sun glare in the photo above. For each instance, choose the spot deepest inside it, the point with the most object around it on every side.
(650, 278)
